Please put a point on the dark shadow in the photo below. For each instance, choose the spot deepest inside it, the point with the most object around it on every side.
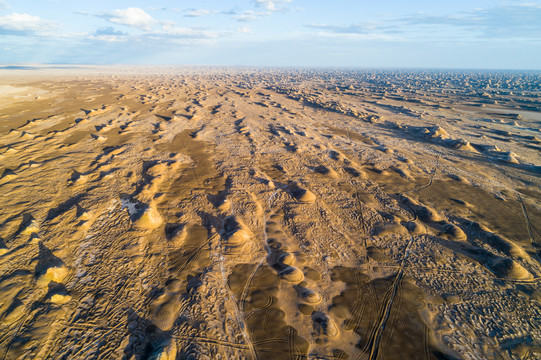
(27, 220)
(165, 118)
(146, 340)
(218, 199)
(65, 206)
(46, 260)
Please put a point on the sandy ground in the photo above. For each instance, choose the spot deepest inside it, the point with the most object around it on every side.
(200, 213)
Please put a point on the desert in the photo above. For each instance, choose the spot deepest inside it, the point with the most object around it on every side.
(269, 213)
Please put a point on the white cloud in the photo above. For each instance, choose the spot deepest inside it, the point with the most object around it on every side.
(153, 8)
(510, 23)
(248, 16)
(156, 30)
(244, 30)
(25, 24)
(109, 31)
(357, 29)
(506, 21)
(108, 38)
(108, 34)
(197, 12)
(271, 5)
(133, 17)
(171, 30)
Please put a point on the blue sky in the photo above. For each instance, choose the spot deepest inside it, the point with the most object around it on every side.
(384, 33)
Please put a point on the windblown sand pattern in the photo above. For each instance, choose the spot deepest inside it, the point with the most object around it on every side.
(181, 213)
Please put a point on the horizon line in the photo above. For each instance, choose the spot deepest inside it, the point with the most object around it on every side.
(36, 66)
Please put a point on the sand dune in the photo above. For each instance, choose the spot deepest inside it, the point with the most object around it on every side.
(273, 214)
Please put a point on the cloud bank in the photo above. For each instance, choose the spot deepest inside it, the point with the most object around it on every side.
(25, 24)
(132, 17)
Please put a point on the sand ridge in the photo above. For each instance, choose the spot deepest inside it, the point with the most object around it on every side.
(268, 214)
